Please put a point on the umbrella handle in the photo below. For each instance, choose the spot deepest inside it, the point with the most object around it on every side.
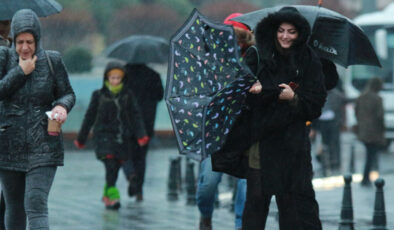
(320, 3)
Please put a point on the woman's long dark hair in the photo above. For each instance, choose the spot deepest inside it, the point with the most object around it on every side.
(269, 48)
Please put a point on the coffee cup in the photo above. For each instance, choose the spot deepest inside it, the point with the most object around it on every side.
(54, 127)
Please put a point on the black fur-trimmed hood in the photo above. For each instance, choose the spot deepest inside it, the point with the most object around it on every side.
(267, 27)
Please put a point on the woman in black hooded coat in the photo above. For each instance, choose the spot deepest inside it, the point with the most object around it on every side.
(293, 92)
(290, 92)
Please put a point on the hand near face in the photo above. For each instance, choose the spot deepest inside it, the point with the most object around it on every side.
(287, 93)
(28, 65)
(59, 114)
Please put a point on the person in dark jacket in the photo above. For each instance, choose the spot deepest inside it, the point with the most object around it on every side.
(29, 156)
(330, 124)
(370, 121)
(290, 91)
(146, 85)
(117, 127)
(4, 41)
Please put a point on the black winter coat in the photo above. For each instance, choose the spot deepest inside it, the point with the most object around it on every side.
(24, 140)
(116, 122)
(148, 90)
(278, 126)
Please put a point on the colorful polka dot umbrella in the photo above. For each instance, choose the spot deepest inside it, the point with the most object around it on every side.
(206, 86)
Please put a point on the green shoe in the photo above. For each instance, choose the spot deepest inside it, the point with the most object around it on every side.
(113, 193)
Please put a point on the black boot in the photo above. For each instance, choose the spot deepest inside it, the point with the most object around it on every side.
(205, 223)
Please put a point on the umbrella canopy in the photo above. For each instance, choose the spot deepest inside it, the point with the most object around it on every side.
(206, 85)
(334, 36)
(42, 8)
(138, 49)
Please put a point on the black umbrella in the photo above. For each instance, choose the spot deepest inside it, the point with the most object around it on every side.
(42, 8)
(334, 36)
(206, 85)
(139, 49)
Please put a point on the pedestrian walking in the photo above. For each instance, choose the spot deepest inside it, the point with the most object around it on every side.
(4, 41)
(208, 179)
(330, 124)
(370, 124)
(290, 91)
(146, 85)
(117, 124)
(32, 82)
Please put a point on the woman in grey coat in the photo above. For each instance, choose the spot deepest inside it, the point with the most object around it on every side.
(32, 81)
(370, 120)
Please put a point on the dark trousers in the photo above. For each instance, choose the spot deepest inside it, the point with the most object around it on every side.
(297, 210)
(26, 194)
(330, 132)
(371, 160)
(2, 212)
(134, 168)
(112, 167)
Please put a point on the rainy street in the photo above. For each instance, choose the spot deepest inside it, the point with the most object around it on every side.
(193, 114)
(75, 199)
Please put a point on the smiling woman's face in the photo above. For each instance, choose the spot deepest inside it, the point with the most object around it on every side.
(286, 35)
(25, 45)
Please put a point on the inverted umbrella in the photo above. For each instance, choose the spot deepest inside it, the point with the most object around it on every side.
(42, 8)
(334, 36)
(206, 85)
(138, 49)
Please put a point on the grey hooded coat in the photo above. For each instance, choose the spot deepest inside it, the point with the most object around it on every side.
(24, 140)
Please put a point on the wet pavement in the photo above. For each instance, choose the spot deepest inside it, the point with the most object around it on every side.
(75, 198)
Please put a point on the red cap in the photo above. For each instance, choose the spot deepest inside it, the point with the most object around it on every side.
(234, 23)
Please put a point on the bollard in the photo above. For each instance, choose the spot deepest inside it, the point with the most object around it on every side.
(233, 197)
(346, 222)
(172, 193)
(179, 173)
(232, 181)
(351, 162)
(190, 184)
(325, 161)
(217, 201)
(379, 214)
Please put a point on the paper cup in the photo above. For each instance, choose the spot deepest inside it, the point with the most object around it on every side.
(54, 127)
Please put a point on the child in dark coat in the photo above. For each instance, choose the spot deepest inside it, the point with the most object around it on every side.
(117, 127)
